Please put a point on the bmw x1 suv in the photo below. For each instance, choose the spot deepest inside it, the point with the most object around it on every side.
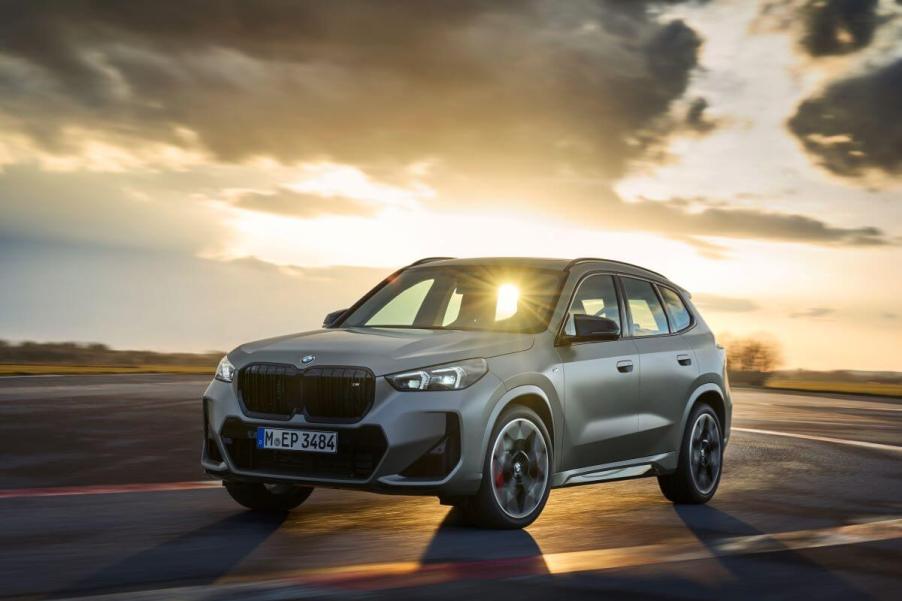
(484, 382)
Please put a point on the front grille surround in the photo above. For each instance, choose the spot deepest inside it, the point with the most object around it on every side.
(321, 393)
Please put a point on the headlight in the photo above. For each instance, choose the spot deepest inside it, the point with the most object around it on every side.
(452, 376)
(225, 371)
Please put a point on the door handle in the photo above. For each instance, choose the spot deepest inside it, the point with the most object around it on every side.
(684, 359)
(625, 366)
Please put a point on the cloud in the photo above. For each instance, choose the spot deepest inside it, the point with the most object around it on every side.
(839, 26)
(813, 312)
(696, 118)
(478, 86)
(724, 304)
(679, 218)
(300, 204)
(855, 125)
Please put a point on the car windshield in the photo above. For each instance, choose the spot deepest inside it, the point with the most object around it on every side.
(488, 298)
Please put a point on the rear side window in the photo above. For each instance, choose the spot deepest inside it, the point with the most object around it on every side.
(646, 312)
(679, 315)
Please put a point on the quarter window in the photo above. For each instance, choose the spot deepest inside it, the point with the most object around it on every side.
(596, 296)
(679, 315)
(646, 312)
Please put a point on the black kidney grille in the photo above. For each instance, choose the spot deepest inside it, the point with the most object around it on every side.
(270, 389)
(338, 392)
(343, 393)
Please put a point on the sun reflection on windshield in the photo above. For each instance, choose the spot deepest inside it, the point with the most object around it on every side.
(508, 299)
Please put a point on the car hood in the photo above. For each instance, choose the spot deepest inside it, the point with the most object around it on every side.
(383, 350)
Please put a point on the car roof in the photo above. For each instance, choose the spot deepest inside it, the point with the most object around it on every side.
(585, 263)
(534, 262)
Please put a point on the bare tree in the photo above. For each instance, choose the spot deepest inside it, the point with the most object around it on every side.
(751, 359)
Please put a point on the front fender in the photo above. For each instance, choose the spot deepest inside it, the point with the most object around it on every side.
(554, 409)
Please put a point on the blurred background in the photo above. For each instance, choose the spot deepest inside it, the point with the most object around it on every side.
(179, 178)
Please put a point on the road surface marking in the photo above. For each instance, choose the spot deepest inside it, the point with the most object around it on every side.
(403, 574)
(381, 576)
(104, 489)
(854, 443)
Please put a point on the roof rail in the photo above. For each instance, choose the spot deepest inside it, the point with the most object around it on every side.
(575, 262)
(429, 260)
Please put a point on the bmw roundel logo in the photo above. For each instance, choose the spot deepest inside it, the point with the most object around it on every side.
(307, 359)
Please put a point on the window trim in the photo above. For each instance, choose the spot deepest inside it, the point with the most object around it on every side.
(560, 336)
(654, 286)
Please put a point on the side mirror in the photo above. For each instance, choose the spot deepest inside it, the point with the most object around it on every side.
(591, 327)
(333, 317)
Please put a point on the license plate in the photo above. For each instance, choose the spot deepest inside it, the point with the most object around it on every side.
(314, 441)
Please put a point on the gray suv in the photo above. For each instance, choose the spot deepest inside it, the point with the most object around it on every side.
(484, 382)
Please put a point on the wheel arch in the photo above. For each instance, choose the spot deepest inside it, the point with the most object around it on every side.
(534, 398)
(710, 394)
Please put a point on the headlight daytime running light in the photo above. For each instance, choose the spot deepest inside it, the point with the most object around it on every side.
(225, 371)
(451, 376)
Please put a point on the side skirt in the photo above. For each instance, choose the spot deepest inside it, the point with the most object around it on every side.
(621, 470)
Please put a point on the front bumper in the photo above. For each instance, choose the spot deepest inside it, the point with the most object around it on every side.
(408, 442)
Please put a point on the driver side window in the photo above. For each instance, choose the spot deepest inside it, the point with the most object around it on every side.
(596, 296)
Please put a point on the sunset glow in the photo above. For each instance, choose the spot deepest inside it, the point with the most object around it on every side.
(713, 142)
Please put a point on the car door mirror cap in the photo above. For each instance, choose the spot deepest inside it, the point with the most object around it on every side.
(592, 328)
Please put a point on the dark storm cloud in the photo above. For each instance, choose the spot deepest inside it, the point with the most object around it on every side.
(300, 204)
(477, 84)
(855, 124)
(839, 26)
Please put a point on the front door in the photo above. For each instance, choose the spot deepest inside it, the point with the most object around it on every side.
(601, 384)
(667, 362)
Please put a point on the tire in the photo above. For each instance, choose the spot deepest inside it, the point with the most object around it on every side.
(268, 498)
(701, 460)
(515, 482)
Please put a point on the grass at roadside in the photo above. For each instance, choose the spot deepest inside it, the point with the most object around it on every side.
(25, 369)
(844, 387)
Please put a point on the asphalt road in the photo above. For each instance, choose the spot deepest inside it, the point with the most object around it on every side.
(817, 513)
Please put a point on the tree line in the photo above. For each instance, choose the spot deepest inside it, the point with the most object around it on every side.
(75, 353)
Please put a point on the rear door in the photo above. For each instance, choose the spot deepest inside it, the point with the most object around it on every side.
(601, 383)
(667, 363)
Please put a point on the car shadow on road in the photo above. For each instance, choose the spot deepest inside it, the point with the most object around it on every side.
(198, 557)
(509, 551)
(756, 576)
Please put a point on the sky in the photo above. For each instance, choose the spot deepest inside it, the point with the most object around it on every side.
(194, 175)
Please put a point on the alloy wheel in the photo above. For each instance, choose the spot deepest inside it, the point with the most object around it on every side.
(705, 450)
(519, 467)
